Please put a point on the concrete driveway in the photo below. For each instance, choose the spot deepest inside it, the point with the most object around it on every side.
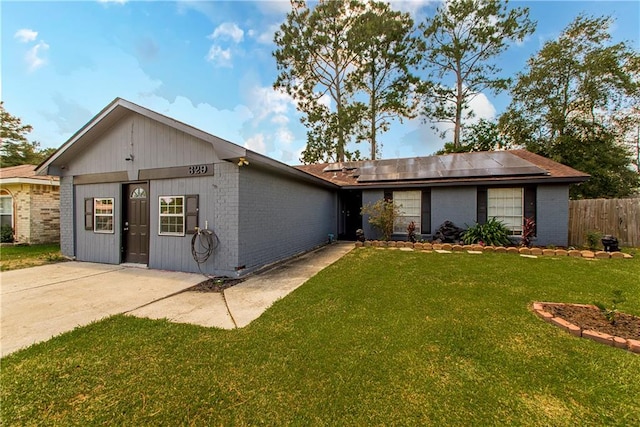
(41, 302)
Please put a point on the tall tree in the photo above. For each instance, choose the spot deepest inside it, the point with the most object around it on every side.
(314, 59)
(577, 103)
(481, 136)
(461, 41)
(16, 149)
(387, 52)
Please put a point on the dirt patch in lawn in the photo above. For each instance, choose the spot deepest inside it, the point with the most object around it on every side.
(591, 318)
(216, 284)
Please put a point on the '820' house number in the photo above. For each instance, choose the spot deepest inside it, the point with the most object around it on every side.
(198, 170)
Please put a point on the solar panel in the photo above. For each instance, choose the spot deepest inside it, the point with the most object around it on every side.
(462, 165)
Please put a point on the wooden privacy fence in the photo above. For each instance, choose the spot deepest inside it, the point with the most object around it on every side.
(618, 217)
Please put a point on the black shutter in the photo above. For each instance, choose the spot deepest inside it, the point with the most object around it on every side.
(388, 195)
(481, 213)
(88, 214)
(191, 213)
(425, 227)
(530, 204)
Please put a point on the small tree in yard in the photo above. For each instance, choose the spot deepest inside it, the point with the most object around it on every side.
(382, 216)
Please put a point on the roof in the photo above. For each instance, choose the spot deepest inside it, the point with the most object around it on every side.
(25, 174)
(119, 108)
(477, 168)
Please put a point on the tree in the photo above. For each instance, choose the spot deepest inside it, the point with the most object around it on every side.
(481, 136)
(577, 103)
(314, 59)
(382, 216)
(16, 149)
(461, 40)
(387, 51)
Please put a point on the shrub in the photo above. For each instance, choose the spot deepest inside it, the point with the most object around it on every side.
(592, 239)
(528, 231)
(6, 234)
(411, 232)
(609, 313)
(382, 216)
(493, 232)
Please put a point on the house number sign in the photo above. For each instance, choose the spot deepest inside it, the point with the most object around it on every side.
(198, 170)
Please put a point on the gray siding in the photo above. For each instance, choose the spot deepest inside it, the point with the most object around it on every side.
(98, 247)
(455, 204)
(217, 209)
(67, 245)
(280, 216)
(370, 197)
(552, 215)
(154, 145)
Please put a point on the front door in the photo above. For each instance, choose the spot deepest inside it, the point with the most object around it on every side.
(351, 204)
(136, 223)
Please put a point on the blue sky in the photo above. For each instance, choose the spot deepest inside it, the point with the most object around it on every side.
(208, 64)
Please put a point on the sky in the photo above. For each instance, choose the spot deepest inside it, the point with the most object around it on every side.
(210, 64)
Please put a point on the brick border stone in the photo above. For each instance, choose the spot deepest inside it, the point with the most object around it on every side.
(611, 340)
(528, 252)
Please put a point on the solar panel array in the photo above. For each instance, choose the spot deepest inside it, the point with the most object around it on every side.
(462, 165)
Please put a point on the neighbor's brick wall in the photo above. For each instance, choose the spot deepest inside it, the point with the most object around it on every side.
(45, 214)
(36, 213)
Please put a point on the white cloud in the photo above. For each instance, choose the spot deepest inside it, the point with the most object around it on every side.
(266, 101)
(280, 119)
(278, 7)
(266, 37)
(113, 1)
(219, 56)
(26, 35)
(34, 56)
(411, 6)
(256, 143)
(228, 31)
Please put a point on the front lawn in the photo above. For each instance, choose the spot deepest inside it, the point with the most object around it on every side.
(23, 256)
(381, 337)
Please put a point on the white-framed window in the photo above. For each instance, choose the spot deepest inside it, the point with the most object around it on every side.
(506, 205)
(6, 209)
(172, 214)
(103, 215)
(410, 203)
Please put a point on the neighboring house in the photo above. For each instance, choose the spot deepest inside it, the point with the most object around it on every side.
(135, 185)
(30, 204)
(463, 188)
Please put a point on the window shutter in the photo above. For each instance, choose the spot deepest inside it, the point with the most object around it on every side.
(191, 213)
(388, 195)
(481, 213)
(530, 204)
(425, 227)
(88, 214)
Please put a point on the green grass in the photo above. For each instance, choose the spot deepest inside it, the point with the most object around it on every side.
(380, 338)
(23, 256)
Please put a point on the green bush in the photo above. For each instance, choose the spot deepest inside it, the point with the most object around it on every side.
(592, 239)
(6, 234)
(493, 232)
(382, 216)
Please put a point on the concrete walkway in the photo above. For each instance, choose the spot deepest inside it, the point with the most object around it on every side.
(41, 302)
(241, 304)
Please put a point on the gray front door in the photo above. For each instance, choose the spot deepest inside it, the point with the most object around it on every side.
(136, 223)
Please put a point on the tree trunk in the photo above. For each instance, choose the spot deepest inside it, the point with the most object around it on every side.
(459, 99)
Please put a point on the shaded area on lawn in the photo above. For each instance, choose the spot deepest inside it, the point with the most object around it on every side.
(380, 337)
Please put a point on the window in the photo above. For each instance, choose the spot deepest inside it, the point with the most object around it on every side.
(6, 209)
(505, 204)
(103, 215)
(172, 216)
(410, 202)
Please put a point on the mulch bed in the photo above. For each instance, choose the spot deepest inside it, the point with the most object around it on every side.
(216, 284)
(590, 318)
